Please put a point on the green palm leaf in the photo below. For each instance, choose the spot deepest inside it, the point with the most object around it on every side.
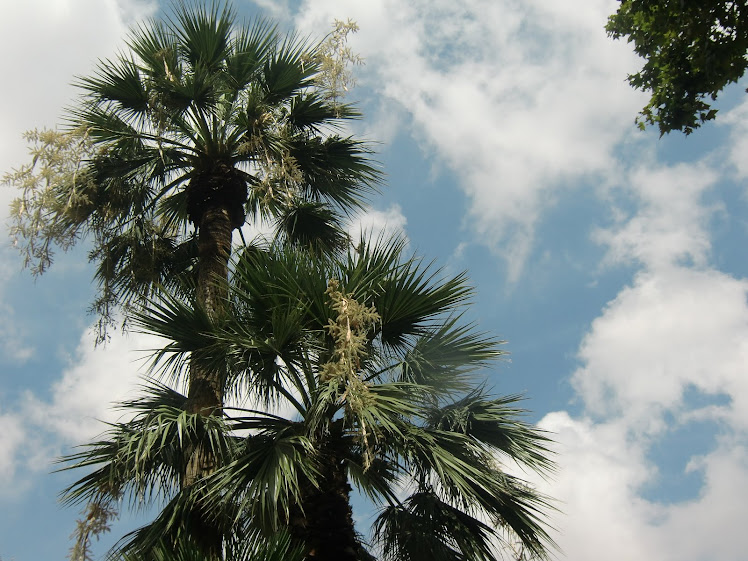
(145, 457)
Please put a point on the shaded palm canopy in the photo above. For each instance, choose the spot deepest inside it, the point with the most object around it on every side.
(354, 371)
(201, 125)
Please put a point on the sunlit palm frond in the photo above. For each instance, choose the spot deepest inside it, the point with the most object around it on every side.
(495, 423)
(288, 69)
(251, 43)
(145, 457)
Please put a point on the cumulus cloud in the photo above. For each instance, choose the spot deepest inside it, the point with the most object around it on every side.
(660, 336)
(598, 487)
(602, 509)
(95, 378)
(679, 329)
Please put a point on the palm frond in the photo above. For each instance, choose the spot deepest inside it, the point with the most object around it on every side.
(426, 528)
(177, 530)
(494, 422)
(470, 479)
(312, 226)
(312, 112)
(250, 47)
(265, 478)
(204, 33)
(118, 82)
(145, 457)
(445, 357)
(335, 169)
(287, 71)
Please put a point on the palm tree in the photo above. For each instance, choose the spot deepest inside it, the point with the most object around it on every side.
(356, 371)
(200, 126)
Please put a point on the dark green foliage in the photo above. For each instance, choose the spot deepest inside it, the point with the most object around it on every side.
(350, 367)
(201, 112)
(692, 50)
(369, 381)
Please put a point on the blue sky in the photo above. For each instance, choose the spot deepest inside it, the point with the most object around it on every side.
(613, 262)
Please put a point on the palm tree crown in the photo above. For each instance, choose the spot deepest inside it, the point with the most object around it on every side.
(361, 374)
(198, 125)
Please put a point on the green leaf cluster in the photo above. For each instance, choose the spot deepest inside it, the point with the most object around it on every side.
(352, 366)
(692, 49)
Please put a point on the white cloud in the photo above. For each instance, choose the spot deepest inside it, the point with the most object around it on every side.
(670, 224)
(376, 223)
(519, 99)
(737, 119)
(712, 527)
(598, 488)
(679, 329)
(669, 331)
(94, 379)
(599, 472)
(47, 43)
(674, 332)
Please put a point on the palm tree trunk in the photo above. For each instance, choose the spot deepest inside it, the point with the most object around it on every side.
(206, 387)
(205, 393)
(326, 522)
